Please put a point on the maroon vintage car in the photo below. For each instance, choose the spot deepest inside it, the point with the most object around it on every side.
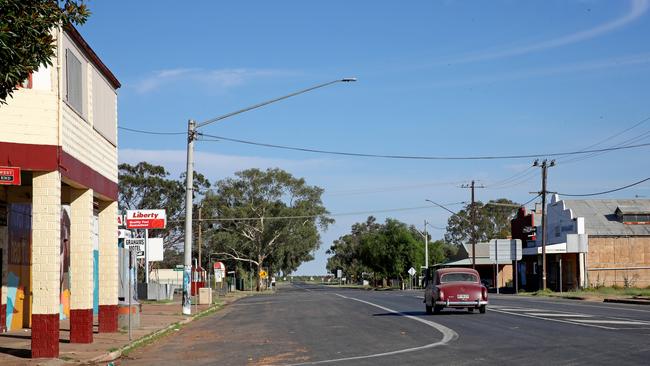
(454, 288)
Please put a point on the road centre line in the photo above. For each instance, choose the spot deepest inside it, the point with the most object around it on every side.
(448, 335)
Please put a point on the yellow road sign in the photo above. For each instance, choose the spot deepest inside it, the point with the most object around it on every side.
(263, 274)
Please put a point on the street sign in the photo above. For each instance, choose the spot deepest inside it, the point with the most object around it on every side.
(179, 268)
(136, 244)
(505, 250)
(9, 175)
(146, 219)
(219, 272)
(263, 274)
(339, 273)
(412, 271)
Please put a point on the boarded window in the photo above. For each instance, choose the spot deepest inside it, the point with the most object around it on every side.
(74, 92)
(104, 106)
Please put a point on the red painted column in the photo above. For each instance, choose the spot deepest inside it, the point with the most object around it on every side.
(3, 318)
(45, 335)
(108, 318)
(81, 326)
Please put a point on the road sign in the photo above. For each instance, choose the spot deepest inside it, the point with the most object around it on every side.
(134, 241)
(263, 274)
(179, 268)
(412, 271)
(505, 250)
(339, 273)
(146, 219)
(9, 175)
(219, 271)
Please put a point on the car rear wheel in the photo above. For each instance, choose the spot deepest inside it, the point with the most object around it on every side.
(481, 309)
(429, 309)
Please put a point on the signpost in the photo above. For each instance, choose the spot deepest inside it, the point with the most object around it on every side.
(9, 175)
(137, 244)
(504, 250)
(146, 219)
(411, 273)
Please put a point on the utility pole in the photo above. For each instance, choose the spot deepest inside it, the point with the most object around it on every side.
(426, 245)
(544, 165)
(473, 221)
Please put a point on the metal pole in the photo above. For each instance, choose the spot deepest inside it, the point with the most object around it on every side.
(496, 259)
(146, 256)
(189, 184)
(130, 296)
(426, 245)
(544, 166)
(473, 230)
(560, 274)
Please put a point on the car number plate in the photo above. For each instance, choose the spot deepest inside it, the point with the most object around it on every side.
(463, 297)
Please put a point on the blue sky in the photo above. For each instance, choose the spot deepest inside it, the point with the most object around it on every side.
(435, 78)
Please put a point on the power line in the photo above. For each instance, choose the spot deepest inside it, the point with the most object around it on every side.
(315, 216)
(150, 132)
(605, 192)
(418, 157)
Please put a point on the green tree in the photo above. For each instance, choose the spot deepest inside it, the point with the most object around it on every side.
(268, 218)
(492, 222)
(148, 186)
(345, 251)
(390, 251)
(26, 38)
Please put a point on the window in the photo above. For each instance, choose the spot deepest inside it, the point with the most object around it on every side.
(74, 92)
(458, 277)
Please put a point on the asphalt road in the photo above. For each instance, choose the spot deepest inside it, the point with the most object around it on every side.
(306, 325)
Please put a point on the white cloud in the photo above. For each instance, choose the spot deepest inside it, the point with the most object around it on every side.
(636, 10)
(587, 66)
(216, 78)
(217, 166)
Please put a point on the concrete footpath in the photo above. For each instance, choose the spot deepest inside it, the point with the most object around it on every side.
(155, 319)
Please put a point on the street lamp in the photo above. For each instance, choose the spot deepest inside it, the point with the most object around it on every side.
(473, 241)
(192, 135)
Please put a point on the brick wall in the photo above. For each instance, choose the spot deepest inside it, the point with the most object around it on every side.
(81, 248)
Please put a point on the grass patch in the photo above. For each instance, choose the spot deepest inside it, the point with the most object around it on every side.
(156, 302)
(149, 339)
(594, 292)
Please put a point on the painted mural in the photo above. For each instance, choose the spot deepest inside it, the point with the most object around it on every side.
(65, 263)
(19, 269)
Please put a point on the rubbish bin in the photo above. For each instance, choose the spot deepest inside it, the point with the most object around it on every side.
(240, 284)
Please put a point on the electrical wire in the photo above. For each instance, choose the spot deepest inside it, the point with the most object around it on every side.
(605, 192)
(150, 132)
(416, 157)
(315, 216)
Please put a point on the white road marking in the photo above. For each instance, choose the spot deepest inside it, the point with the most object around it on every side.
(579, 304)
(561, 315)
(622, 322)
(553, 320)
(448, 335)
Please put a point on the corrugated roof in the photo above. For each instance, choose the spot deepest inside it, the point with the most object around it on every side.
(601, 219)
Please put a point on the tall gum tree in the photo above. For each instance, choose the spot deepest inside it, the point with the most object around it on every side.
(268, 218)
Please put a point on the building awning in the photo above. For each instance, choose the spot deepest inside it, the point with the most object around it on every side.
(550, 249)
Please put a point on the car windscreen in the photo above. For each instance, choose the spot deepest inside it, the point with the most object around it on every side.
(458, 277)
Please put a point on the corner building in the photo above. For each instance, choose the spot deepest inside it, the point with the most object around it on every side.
(58, 227)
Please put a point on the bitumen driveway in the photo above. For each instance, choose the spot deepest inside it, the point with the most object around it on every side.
(308, 324)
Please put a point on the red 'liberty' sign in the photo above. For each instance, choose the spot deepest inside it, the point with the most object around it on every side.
(9, 175)
(146, 219)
